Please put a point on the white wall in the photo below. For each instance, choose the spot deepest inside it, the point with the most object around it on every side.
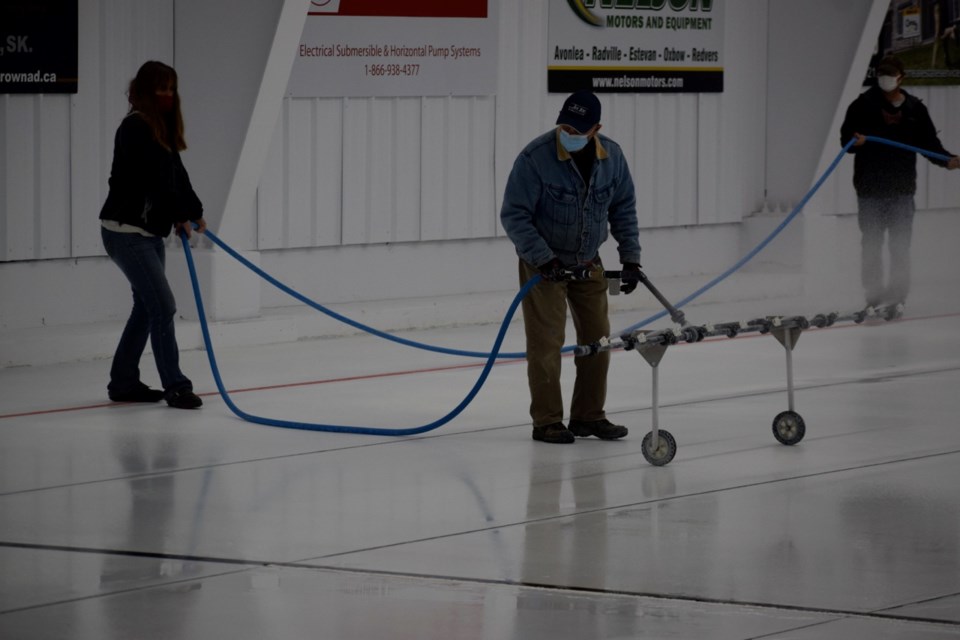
(349, 178)
(807, 76)
(397, 198)
(221, 52)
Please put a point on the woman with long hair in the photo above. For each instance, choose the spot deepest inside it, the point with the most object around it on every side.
(150, 195)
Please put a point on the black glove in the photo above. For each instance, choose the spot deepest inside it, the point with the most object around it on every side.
(629, 277)
(552, 271)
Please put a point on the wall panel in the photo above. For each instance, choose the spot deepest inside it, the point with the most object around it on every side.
(381, 176)
(91, 140)
(19, 194)
(298, 170)
(943, 187)
(732, 133)
(327, 181)
(271, 195)
(714, 200)
(5, 215)
(458, 186)
(52, 224)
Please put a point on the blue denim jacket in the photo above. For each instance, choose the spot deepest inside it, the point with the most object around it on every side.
(549, 210)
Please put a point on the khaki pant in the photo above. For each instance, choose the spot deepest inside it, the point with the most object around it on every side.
(544, 320)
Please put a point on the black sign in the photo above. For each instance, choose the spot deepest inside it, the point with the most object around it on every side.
(635, 81)
(38, 46)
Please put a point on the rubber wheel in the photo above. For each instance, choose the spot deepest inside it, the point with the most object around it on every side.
(664, 452)
(789, 428)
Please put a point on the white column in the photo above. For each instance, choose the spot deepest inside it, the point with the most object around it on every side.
(234, 61)
(831, 242)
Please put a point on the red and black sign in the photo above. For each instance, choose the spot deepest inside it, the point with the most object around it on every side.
(401, 8)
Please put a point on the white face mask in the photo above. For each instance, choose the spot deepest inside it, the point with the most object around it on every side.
(887, 83)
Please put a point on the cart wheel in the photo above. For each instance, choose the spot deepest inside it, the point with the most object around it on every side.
(788, 427)
(666, 449)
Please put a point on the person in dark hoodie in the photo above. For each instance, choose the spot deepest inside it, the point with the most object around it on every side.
(150, 194)
(885, 177)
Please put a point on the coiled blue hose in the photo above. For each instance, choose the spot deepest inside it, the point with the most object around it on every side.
(491, 356)
(308, 426)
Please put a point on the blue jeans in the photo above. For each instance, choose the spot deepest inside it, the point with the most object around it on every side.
(142, 259)
(893, 217)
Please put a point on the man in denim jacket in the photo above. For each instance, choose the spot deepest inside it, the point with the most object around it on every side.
(567, 188)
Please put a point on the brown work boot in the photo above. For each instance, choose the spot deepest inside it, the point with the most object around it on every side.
(554, 433)
(603, 429)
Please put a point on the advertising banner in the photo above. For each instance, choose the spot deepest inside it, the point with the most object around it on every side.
(363, 48)
(635, 46)
(38, 46)
(925, 35)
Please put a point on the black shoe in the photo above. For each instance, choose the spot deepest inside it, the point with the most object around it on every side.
(603, 429)
(554, 433)
(183, 399)
(143, 393)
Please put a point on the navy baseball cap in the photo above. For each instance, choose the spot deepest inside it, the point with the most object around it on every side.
(581, 110)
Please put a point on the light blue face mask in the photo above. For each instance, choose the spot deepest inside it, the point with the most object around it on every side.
(571, 142)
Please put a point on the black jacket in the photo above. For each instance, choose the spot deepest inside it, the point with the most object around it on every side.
(149, 186)
(880, 170)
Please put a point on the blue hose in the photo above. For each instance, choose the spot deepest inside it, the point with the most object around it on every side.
(753, 252)
(307, 426)
(793, 214)
(491, 356)
(353, 323)
(900, 145)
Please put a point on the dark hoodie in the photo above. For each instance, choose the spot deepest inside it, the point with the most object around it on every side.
(149, 186)
(880, 170)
